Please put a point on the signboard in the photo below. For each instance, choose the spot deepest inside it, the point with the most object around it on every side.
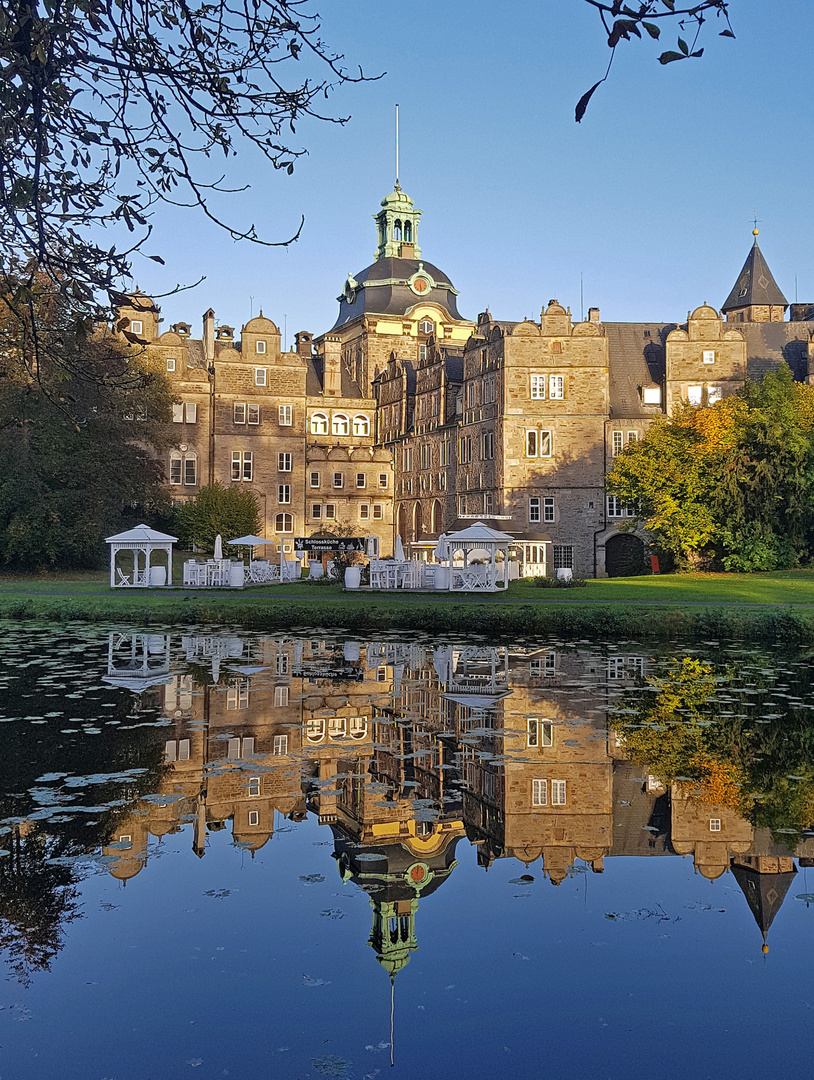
(330, 543)
(340, 674)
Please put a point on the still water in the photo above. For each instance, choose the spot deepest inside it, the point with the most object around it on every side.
(301, 856)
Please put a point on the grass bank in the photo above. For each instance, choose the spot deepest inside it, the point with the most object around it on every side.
(755, 607)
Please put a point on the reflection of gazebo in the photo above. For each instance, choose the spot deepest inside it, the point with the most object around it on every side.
(141, 540)
(472, 559)
(138, 661)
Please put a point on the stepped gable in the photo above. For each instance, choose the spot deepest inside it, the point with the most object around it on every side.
(755, 285)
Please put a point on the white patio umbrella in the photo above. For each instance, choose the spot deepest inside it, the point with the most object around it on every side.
(441, 548)
(398, 550)
(250, 541)
(218, 547)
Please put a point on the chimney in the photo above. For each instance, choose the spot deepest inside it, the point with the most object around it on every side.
(209, 335)
(593, 314)
(303, 343)
(801, 313)
(332, 369)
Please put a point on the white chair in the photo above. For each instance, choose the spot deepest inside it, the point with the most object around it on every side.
(428, 579)
(122, 578)
(378, 574)
(291, 570)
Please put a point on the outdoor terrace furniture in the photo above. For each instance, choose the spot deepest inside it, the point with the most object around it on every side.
(262, 572)
(194, 572)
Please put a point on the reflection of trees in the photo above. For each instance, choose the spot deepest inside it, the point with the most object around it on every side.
(725, 741)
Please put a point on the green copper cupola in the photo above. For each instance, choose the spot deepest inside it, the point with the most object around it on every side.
(397, 226)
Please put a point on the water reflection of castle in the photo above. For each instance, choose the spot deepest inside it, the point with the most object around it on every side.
(403, 749)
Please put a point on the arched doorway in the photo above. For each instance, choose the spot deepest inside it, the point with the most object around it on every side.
(403, 519)
(624, 555)
(437, 517)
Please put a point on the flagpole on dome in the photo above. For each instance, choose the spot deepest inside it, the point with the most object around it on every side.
(397, 147)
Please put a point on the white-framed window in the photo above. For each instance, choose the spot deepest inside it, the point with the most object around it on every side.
(253, 414)
(539, 792)
(237, 695)
(136, 326)
(337, 727)
(339, 480)
(319, 424)
(714, 824)
(426, 326)
(361, 480)
(170, 363)
(532, 735)
(340, 425)
(556, 387)
(361, 426)
(462, 504)
(284, 463)
(313, 479)
(713, 394)
(709, 356)
(283, 523)
(260, 374)
(242, 464)
(651, 395)
(694, 394)
(538, 443)
(383, 480)
(548, 508)
(190, 469)
(422, 352)
(178, 412)
(617, 443)
(254, 817)
(283, 493)
(330, 511)
(280, 745)
(378, 511)
(316, 511)
(364, 511)
(260, 347)
(247, 747)
(616, 508)
(239, 412)
(381, 674)
(534, 509)
(280, 696)
(176, 467)
(190, 412)
(537, 387)
(539, 732)
(563, 556)
(254, 787)
(558, 793)
(315, 729)
(285, 416)
(176, 751)
(550, 663)
(357, 725)
(632, 436)
(488, 504)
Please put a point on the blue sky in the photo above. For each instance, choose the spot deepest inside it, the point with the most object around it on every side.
(650, 198)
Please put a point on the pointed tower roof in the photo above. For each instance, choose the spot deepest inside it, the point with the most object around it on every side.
(755, 284)
(764, 893)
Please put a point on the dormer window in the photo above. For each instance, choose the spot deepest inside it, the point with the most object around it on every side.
(651, 395)
(136, 326)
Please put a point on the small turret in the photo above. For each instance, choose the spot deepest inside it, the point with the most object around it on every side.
(755, 296)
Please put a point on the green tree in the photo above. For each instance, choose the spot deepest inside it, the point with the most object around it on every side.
(230, 511)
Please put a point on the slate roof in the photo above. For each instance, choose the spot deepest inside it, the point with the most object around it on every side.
(636, 357)
(764, 893)
(383, 290)
(314, 372)
(641, 819)
(755, 284)
(769, 344)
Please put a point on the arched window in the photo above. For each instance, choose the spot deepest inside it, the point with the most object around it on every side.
(397, 230)
(408, 232)
(319, 424)
(361, 425)
(315, 729)
(437, 517)
(358, 727)
(176, 468)
(191, 469)
(340, 424)
(284, 523)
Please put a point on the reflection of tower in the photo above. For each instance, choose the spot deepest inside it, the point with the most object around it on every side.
(393, 933)
(764, 881)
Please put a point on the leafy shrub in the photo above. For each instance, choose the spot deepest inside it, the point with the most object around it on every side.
(559, 583)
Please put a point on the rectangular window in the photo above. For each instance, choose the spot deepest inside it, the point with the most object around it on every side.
(709, 356)
(444, 452)
(280, 745)
(651, 395)
(260, 375)
(233, 748)
(617, 437)
(176, 465)
(382, 479)
(531, 733)
(378, 511)
(280, 696)
(284, 463)
(632, 436)
(462, 504)
(338, 480)
(247, 749)
(488, 504)
(240, 412)
(313, 479)
(537, 387)
(284, 416)
(316, 511)
(694, 394)
(546, 733)
(364, 511)
(237, 696)
(253, 414)
(170, 363)
(283, 493)
(714, 824)
(531, 444)
(260, 346)
(407, 460)
(539, 793)
(190, 412)
(254, 787)
(551, 663)
(534, 509)
(242, 464)
(615, 508)
(713, 394)
(556, 387)
(563, 557)
(190, 470)
(330, 510)
(536, 667)
(254, 817)
(248, 458)
(548, 509)
(178, 413)
(488, 445)
(361, 480)
(137, 326)
(558, 793)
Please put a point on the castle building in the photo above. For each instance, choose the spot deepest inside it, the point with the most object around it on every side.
(406, 418)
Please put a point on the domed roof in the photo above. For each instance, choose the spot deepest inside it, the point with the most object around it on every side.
(397, 199)
(260, 325)
(392, 286)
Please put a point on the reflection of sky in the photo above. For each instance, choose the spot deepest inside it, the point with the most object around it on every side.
(230, 959)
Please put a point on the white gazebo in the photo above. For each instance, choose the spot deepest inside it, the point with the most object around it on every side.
(472, 559)
(142, 541)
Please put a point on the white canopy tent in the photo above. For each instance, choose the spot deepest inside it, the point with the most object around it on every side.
(141, 540)
(469, 571)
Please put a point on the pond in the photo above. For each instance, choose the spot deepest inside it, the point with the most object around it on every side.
(303, 855)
